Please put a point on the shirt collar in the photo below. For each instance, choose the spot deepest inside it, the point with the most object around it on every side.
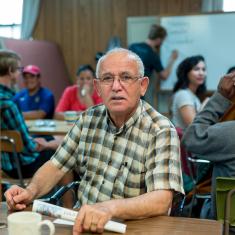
(115, 130)
(6, 92)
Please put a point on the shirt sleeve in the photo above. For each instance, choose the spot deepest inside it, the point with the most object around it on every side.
(207, 137)
(183, 98)
(16, 122)
(65, 157)
(163, 162)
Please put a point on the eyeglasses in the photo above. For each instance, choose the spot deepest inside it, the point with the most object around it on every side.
(124, 79)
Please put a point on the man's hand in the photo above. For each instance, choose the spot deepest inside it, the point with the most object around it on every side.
(226, 86)
(174, 55)
(18, 198)
(92, 218)
(42, 144)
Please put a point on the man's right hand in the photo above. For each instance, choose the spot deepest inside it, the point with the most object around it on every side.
(18, 198)
(226, 86)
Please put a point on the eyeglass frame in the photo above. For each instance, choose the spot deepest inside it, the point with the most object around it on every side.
(123, 82)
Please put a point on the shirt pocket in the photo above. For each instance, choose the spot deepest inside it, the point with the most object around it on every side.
(130, 182)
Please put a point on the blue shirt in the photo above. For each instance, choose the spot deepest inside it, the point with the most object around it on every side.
(150, 58)
(42, 100)
(12, 119)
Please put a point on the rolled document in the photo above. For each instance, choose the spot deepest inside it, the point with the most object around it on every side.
(67, 214)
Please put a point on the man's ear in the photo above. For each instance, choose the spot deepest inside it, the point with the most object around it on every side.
(96, 84)
(144, 85)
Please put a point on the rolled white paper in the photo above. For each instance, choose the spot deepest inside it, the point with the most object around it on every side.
(67, 214)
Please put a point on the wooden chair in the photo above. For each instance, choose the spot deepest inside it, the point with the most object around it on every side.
(11, 141)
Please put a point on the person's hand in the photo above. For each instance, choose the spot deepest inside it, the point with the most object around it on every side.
(18, 198)
(226, 86)
(41, 144)
(174, 54)
(92, 218)
(86, 90)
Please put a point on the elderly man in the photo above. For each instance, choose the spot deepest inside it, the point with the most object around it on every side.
(125, 152)
(210, 139)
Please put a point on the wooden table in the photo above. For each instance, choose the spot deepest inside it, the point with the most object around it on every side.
(48, 127)
(162, 225)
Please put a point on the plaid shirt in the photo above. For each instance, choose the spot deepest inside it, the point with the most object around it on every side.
(141, 156)
(12, 119)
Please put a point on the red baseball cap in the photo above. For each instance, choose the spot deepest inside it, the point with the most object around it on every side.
(32, 69)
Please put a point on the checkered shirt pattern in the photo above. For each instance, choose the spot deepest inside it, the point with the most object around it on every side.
(11, 119)
(141, 156)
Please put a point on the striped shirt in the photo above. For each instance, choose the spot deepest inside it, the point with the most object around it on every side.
(141, 156)
(12, 119)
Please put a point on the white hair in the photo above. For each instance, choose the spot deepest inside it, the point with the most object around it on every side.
(129, 53)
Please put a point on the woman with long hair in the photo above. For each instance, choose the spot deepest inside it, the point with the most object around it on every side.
(189, 88)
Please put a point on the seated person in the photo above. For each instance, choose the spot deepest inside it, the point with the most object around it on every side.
(34, 101)
(81, 96)
(190, 85)
(210, 139)
(126, 153)
(12, 119)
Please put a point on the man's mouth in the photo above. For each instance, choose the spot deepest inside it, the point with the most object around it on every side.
(117, 98)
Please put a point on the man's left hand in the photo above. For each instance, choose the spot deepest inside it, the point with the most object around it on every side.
(92, 218)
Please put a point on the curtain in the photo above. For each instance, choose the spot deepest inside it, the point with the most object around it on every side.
(29, 17)
(2, 44)
(212, 5)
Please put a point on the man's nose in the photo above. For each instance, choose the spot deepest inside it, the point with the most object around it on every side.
(116, 84)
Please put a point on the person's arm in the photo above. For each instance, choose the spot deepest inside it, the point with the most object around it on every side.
(52, 144)
(187, 113)
(164, 74)
(36, 114)
(18, 198)
(94, 217)
(208, 137)
(59, 115)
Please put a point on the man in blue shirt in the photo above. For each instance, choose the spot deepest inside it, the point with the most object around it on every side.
(34, 101)
(148, 51)
(34, 153)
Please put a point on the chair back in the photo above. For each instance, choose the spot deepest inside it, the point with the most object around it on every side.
(10, 139)
(225, 201)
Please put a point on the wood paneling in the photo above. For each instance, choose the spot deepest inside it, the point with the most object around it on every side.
(83, 27)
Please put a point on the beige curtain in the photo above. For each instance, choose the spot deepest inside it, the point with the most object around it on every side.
(2, 45)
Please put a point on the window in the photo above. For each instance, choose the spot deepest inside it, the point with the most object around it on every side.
(228, 5)
(10, 18)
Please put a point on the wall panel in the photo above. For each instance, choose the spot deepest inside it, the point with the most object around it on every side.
(83, 27)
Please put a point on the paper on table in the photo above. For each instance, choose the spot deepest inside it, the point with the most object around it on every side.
(110, 226)
(67, 214)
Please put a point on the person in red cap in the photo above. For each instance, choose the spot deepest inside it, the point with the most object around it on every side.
(34, 101)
